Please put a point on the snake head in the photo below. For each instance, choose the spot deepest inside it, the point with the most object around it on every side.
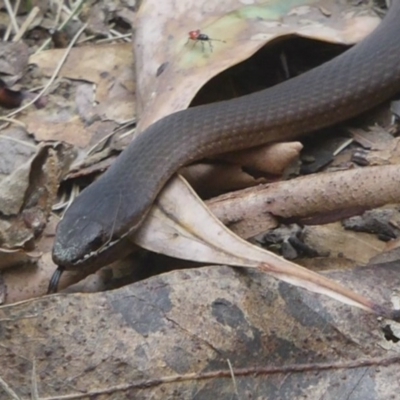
(87, 244)
(76, 241)
(92, 229)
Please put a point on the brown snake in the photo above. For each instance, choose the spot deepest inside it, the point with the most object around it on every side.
(94, 229)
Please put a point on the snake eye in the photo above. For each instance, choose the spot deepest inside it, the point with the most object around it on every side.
(100, 240)
(94, 237)
(97, 242)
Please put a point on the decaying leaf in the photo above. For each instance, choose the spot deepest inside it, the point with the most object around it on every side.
(13, 59)
(26, 199)
(235, 332)
(108, 95)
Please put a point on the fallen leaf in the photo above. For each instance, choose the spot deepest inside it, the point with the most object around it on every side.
(13, 59)
(73, 119)
(26, 199)
(213, 332)
(358, 247)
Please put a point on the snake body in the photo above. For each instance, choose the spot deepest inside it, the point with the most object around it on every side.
(94, 229)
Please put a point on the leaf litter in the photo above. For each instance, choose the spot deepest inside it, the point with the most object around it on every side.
(177, 92)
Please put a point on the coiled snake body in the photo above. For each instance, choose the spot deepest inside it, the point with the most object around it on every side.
(93, 230)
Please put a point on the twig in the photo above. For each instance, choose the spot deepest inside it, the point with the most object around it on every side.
(233, 378)
(8, 390)
(11, 121)
(13, 20)
(126, 38)
(259, 371)
(27, 23)
(34, 391)
(59, 11)
(27, 144)
(102, 140)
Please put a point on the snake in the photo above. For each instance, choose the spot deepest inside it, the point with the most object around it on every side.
(96, 227)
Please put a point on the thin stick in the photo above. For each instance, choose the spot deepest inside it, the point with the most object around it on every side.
(27, 23)
(11, 121)
(233, 378)
(8, 390)
(13, 20)
(34, 392)
(59, 11)
(27, 144)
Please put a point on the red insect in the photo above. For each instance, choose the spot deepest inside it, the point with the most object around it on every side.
(197, 36)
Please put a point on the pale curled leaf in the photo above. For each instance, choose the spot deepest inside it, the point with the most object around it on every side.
(179, 225)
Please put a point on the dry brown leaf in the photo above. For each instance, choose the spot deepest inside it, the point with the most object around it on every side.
(388, 154)
(26, 199)
(332, 239)
(13, 59)
(376, 138)
(73, 119)
(31, 272)
(176, 335)
(210, 180)
(16, 147)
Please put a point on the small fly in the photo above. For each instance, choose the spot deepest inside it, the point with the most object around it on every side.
(198, 36)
